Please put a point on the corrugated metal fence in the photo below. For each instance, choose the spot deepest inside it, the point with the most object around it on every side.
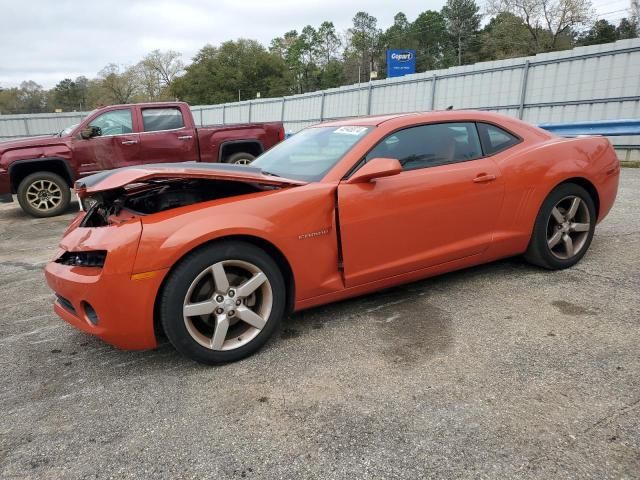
(600, 82)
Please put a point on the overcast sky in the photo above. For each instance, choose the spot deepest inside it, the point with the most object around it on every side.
(49, 40)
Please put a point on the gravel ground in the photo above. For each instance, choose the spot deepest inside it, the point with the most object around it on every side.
(500, 371)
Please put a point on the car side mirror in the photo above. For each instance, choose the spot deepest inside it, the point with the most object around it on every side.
(90, 132)
(376, 168)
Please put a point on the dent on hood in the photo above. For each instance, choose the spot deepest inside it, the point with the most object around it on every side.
(113, 179)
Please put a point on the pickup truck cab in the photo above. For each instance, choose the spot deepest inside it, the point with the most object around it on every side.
(41, 170)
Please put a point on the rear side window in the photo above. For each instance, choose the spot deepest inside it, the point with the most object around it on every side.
(495, 139)
(430, 145)
(155, 119)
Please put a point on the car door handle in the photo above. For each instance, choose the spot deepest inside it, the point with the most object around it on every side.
(185, 137)
(484, 177)
(129, 142)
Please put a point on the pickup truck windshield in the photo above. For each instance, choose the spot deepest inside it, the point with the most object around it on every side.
(311, 153)
(67, 131)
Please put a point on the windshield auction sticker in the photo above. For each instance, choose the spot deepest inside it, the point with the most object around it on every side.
(351, 130)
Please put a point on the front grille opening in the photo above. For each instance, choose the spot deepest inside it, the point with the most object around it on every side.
(90, 313)
(66, 304)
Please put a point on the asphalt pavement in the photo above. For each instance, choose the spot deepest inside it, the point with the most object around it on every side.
(499, 371)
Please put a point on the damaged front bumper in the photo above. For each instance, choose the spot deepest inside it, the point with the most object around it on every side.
(111, 302)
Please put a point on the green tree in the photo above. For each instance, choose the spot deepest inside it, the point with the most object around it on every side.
(9, 101)
(626, 29)
(121, 85)
(217, 74)
(166, 65)
(431, 41)
(332, 74)
(400, 34)
(65, 95)
(601, 32)
(463, 20)
(70, 95)
(364, 43)
(549, 21)
(328, 43)
(505, 36)
(32, 98)
(306, 50)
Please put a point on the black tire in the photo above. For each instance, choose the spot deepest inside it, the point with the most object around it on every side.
(177, 287)
(55, 205)
(240, 158)
(539, 253)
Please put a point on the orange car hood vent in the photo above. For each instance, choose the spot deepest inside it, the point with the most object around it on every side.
(120, 177)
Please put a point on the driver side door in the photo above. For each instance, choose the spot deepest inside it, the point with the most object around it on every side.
(442, 207)
(117, 146)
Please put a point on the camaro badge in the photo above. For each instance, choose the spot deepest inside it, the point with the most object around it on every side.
(304, 236)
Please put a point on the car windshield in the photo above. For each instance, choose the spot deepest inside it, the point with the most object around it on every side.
(311, 153)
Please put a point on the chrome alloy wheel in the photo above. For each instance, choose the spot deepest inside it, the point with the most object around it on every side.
(568, 227)
(243, 161)
(44, 195)
(227, 305)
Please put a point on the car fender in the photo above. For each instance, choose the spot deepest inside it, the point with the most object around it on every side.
(158, 250)
(532, 173)
(299, 222)
(18, 164)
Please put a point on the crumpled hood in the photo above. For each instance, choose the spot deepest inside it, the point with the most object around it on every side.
(121, 177)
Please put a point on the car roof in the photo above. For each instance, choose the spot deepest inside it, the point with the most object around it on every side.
(402, 120)
(433, 116)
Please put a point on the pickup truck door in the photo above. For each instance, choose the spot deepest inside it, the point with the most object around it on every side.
(167, 136)
(442, 207)
(118, 146)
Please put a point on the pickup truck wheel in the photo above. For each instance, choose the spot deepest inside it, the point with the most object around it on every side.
(240, 158)
(222, 302)
(44, 194)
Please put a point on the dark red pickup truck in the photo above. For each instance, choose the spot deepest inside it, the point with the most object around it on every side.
(40, 170)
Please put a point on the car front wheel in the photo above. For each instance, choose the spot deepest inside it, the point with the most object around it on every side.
(564, 228)
(222, 302)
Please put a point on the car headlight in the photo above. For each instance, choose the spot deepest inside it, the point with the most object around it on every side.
(83, 259)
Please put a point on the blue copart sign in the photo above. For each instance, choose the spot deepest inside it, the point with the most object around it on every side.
(400, 62)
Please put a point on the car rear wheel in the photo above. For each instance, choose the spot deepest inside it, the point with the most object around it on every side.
(564, 228)
(223, 302)
(44, 194)
(240, 158)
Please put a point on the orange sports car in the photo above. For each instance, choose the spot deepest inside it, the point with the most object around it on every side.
(213, 256)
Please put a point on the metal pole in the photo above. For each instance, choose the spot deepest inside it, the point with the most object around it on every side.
(322, 107)
(433, 92)
(224, 113)
(523, 91)
(284, 100)
(369, 90)
(201, 120)
(26, 127)
(249, 121)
